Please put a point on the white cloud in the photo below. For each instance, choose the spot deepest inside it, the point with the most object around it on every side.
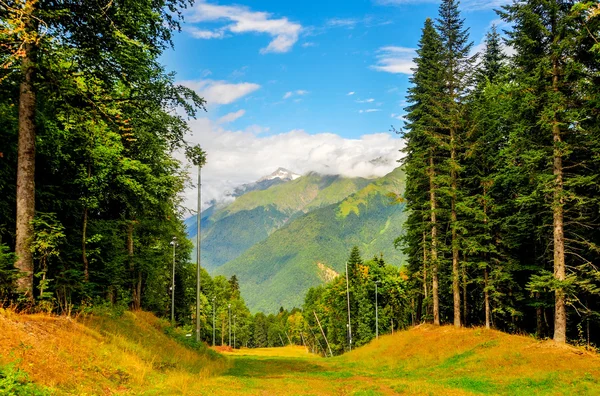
(398, 60)
(309, 44)
(230, 117)
(351, 93)
(220, 92)
(205, 34)
(370, 100)
(342, 22)
(369, 111)
(284, 33)
(467, 5)
(244, 156)
(299, 92)
(399, 117)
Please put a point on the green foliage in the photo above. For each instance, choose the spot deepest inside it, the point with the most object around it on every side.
(330, 303)
(8, 273)
(310, 249)
(15, 382)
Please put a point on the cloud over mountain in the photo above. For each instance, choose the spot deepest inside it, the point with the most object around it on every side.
(243, 156)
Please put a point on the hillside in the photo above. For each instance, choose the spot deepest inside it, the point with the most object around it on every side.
(279, 270)
(131, 353)
(229, 230)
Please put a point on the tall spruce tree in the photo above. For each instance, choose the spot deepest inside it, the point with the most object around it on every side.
(458, 65)
(421, 162)
(557, 143)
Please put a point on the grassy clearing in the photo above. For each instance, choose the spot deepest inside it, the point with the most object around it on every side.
(137, 353)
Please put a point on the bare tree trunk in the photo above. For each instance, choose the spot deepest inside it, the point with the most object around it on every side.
(453, 220)
(86, 264)
(86, 273)
(26, 165)
(136, 304)
(486, 292)
(487, 298)
(434, 263)
(539, 316)
(560, 313)
(464, 284)
(425, 291)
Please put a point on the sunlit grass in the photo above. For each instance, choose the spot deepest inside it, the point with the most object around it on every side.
(132, 354)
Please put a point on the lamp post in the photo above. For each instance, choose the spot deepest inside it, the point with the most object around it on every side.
(376, 313)
(229, 307)
(234, 328)
(173, 243)
(348, 298)
(198, 222)
(213, 321)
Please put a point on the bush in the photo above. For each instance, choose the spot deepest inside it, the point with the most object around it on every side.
(14, 382)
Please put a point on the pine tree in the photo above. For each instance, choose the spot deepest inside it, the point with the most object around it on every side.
(483, 144)
(421, 161)
(557, 144)
(457, 74)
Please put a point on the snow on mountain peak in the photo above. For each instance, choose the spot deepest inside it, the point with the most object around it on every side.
(282, 174)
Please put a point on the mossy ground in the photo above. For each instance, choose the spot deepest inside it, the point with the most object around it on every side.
(139, 354)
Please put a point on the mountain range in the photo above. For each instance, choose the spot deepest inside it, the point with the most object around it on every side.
(286, 233)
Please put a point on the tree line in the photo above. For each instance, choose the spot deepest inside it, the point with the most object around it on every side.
(89, 122)
(503, 167)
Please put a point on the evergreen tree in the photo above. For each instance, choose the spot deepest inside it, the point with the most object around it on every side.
(557, 142)
(421, 162)
(458, 66)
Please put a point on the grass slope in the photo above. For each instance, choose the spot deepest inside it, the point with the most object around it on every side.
(252, 217)
(131, 353)
(422, 361)
(279, 270)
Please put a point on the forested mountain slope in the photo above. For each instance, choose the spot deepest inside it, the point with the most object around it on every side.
(229, 230)
(279, 270)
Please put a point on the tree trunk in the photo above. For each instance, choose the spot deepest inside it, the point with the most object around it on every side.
(26, 165)
(560, 313)
(486, 294)
(464, 284)
(425, 291)
(135, 296)
(434, 263)
(453, 220)
(86, 264)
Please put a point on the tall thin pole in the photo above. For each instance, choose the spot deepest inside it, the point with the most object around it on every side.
(234, 328)
(229, 306)
(322, 332)
(376, 313)
(174, 243)
(214, 321)
(198, 218)
(348, 298)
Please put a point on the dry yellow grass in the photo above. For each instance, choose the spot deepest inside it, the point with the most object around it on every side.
(132, 355)
(101, 355)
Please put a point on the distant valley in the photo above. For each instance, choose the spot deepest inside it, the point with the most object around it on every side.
(286, 233)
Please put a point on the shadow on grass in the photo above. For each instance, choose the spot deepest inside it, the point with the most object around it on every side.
(265, 367)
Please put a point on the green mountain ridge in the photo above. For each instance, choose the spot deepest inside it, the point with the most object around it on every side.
(229, 231)
(278, 270)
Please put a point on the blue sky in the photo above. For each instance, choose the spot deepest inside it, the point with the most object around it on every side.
(297, 72)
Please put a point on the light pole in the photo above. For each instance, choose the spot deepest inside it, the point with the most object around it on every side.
(229, 306)
(173, 243)
(214, 321)
(234, 328)
(198, 221)
(376, 313)
(348, 298)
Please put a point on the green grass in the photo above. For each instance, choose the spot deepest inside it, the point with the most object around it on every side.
(137, 354)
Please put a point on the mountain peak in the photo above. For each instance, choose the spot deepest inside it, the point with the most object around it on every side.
(281, 173)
